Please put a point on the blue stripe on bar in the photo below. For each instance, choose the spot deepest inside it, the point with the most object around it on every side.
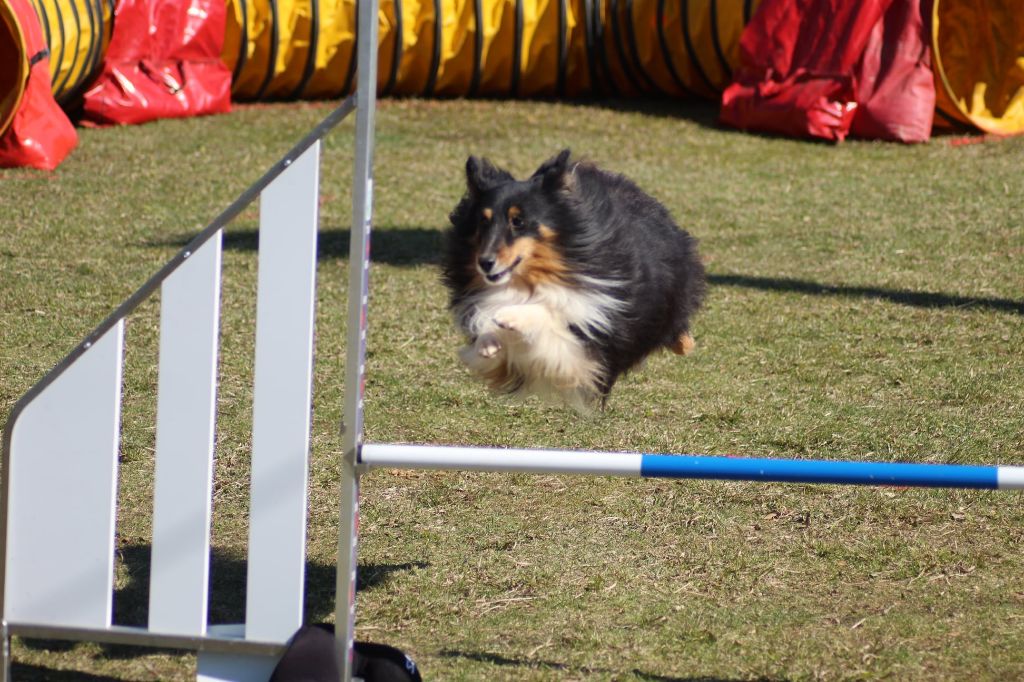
(819, 471)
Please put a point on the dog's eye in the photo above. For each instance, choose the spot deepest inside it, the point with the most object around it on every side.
(517, 222)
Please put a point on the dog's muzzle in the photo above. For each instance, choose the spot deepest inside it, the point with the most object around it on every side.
(497, 277)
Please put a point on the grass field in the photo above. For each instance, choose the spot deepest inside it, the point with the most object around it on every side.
(866, 303)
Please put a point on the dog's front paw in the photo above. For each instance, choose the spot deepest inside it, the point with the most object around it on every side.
(512, 319)
(487, 346)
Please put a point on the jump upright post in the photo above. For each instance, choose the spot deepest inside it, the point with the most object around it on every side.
(61, 444)
(355, 349)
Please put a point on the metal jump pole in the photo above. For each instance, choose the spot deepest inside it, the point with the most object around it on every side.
(358, 297)
(692, 466)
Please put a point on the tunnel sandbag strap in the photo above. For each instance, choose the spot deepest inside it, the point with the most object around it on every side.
(38, 57)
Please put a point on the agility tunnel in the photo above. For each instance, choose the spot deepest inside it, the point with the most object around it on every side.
(286, 49)
(132, 61)
(978, 59)
(34, 130)
(77, 36)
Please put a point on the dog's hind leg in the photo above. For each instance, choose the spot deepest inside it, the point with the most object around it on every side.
(683, 345)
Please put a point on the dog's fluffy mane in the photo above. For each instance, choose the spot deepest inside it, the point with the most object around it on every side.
(607, 278)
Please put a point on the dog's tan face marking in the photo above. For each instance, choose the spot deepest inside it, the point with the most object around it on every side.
(684, 345)
(545, 265)
(488, 213)
(520, 250)
(514, 212)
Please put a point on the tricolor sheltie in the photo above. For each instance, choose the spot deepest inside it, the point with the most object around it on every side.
(565, 280)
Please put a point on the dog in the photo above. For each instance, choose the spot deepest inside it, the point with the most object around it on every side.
(566, 280)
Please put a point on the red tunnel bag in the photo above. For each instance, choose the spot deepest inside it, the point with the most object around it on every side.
(39, 134)
(821, 68)
(163, 62)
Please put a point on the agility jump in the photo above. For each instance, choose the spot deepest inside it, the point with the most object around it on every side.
(60, 448)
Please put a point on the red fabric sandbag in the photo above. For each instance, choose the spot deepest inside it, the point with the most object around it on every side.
(163, 62)
(798, 59)
(40, 134)
(895, 84)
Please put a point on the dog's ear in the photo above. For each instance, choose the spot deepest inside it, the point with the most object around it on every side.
(482, 175)
(555, 173)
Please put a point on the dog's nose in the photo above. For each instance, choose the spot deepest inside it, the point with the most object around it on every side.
(486, 264)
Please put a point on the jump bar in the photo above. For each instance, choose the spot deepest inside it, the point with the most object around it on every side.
(691, 466)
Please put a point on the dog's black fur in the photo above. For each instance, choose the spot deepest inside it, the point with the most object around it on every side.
(564, 281)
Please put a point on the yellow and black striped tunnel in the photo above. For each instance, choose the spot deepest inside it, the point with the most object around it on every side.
(292, 49)
(284, 49)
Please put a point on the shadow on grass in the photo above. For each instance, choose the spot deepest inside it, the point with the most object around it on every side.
(703, 112)
(497, 659)
(421, 245)
(20, 671)
(920, 299)
(699, 111)
(391, 246)
(226, 595)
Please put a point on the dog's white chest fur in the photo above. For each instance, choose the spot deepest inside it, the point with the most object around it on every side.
(528, 341)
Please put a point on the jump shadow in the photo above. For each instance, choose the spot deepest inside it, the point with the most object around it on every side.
(228, 576)
(402, 246)
(702, 112)
(919, 299)
(505, 661)
(36, 673)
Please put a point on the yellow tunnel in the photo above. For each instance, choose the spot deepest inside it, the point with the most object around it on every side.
(283, 49)
(978, 60)
(77, 33)
(290, 49)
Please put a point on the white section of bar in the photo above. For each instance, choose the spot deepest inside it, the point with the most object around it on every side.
(502, 459)
(186, 408)
(63, 494)
(282, 396)
(223, 666)
(1010, 478)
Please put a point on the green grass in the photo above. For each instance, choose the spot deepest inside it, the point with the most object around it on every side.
(866, 302)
